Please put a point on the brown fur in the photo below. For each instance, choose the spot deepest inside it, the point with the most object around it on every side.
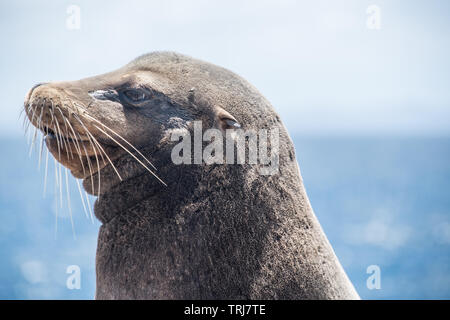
(216, 231)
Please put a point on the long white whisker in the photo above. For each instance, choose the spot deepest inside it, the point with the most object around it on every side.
(60, 184)
(140, 162)
(82, 199)
(123, 139)
(67, 132)
(45, 174)
(90, 167)
(25, 123)
(55, 131)
(68, 203)
(56, 198)
(107, 157)
(35, 128)
(99, 146)
(33, 141)
(77, 145)
(41, 147)
(21, 113)
(62, 138)
(34, 111)
(30, 106)
(89, 206)
(98, 165)
(98, 168)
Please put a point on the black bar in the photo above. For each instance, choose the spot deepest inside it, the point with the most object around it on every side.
(198, 309)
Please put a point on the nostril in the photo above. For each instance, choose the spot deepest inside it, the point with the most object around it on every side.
(30, 92)
(37, 85)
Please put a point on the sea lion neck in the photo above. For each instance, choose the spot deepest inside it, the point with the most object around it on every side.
(147, 195)
(136, 183)
(197, 239)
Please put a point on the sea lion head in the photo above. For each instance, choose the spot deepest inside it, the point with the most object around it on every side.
(90, 123)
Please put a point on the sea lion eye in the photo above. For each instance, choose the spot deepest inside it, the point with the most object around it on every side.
(136, 96)
(232, 123)
(227, 123)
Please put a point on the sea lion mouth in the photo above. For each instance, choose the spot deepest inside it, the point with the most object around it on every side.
(81, 155)
(76, 139)
(50, 134)
(67, 136)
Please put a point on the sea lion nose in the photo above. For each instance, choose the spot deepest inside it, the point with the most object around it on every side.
(37, 85)
(31, 91)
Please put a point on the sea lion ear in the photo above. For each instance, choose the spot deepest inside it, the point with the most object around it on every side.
(224, 120)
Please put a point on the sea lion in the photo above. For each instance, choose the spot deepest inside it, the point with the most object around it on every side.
(185, 231)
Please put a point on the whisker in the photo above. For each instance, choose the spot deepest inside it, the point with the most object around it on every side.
(26, 120)
(140, 162)
(60, 184)
(45, 175)
(35, 132)
(56, 197)
(55, 131)
(96, 158)
(62, 138)
(35, 128)
(80, 155)
(104, 152)
(82, 199)
(68, 203)
(67, 131)
(51, 112)
(98, 168)
(21, 113)
(40, 117)
(62, 142)
(77, 145)
(123, 139)
(29, 136)
(57, 141)
(33, 142)
(41, 147)
(99, 146)
(28, 123)
(34, 110)
(90, 167)
(89, 206)
(128, 151)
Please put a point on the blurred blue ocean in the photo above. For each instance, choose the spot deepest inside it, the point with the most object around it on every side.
(381, 201)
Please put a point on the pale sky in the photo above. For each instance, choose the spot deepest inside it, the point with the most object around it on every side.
(319, 64)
